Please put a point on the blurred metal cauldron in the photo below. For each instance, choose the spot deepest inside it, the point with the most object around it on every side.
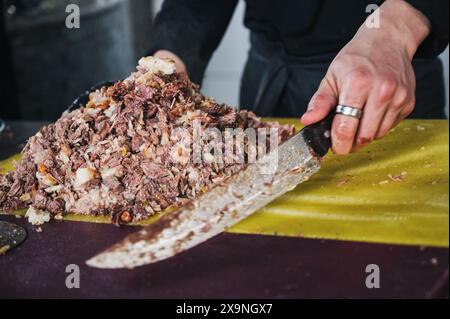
(52, 64)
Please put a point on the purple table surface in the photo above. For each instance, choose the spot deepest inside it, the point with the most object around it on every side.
(228, 266)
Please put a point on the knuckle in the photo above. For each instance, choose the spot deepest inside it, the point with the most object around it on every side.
(344, 132)
(387, 88)
(353, 100)
(402, 94)
(318, 99)
(361, 77)
(362, 72)
(339, 62)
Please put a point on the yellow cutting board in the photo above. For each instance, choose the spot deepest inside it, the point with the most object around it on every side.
(394, 191)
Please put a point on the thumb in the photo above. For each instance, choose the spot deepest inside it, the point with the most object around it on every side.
(323, 101)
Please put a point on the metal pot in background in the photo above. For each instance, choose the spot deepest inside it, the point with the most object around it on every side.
(52, 64)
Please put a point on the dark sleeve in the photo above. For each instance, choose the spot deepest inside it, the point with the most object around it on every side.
(192, 29)
(437, 12)
(7, 95)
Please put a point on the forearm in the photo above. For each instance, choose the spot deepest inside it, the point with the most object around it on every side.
(437, 13)
(372, 73)
(191, 30)
(399, 22)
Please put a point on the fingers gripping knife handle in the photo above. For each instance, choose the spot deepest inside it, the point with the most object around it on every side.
(318, 135)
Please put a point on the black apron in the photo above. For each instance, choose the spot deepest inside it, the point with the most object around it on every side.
(276, 84)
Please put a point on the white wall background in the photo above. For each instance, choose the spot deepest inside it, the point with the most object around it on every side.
(223, 74)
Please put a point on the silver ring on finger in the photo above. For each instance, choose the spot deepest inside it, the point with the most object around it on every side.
(349, 111)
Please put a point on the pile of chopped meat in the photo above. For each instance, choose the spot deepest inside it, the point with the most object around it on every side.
(115, 156)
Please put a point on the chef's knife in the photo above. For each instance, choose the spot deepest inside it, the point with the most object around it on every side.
(225, 204)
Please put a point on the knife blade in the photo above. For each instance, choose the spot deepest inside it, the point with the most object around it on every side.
(225, 204)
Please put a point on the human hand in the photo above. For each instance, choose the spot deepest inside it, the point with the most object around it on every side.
(373, 72)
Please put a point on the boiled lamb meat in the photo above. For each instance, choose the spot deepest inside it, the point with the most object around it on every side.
(120, 154)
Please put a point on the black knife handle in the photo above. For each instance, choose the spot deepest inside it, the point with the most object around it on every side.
(318, 135)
